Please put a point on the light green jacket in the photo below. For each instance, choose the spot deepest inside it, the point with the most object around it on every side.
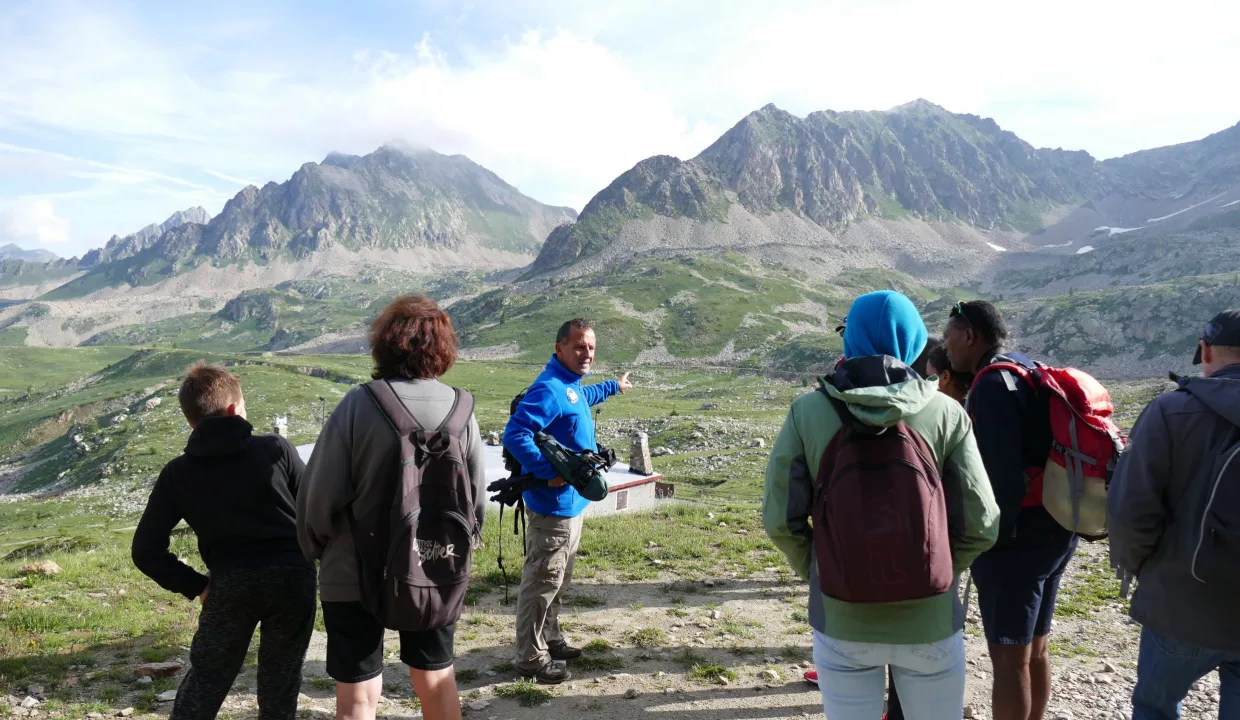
(973, 516)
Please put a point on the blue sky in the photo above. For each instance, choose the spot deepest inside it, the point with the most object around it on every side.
(114, 114)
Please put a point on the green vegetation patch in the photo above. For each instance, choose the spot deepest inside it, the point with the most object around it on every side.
(527, 693)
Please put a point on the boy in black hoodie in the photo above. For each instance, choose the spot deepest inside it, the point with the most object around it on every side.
(237, 492)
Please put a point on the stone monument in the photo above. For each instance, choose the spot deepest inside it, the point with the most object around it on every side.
(639, 454)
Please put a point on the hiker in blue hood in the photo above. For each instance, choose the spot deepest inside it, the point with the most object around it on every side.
(882, 322)
(558, 404)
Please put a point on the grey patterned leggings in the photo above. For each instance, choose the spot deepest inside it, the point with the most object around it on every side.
(279, 600)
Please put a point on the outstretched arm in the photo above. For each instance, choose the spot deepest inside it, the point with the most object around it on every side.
(599, 392)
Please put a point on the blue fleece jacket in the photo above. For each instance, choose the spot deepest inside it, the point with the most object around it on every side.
(884, 323)
(558, 404)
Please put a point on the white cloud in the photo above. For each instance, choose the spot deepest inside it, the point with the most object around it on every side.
(574, 94)
(32, 220)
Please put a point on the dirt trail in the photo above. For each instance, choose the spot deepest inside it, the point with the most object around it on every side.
(747, 626)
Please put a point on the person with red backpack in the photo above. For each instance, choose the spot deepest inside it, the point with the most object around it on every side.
(1175, 525)
(876, 494)
(1017, 580)
(392, 505)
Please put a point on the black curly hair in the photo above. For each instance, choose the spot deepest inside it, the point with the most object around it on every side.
(985, 319)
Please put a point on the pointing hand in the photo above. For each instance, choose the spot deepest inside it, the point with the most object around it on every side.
(624, 383)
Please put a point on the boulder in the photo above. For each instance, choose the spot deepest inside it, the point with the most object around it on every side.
(159, 670)
(43, 567)
(152, 403)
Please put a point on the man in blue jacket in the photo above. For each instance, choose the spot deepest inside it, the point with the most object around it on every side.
(558, 404)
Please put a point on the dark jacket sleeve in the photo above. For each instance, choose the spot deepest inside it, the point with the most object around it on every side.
(329, 484)
(998, 426)
(152, 539)
(476, 459)
(294, 468)
(1136, 512)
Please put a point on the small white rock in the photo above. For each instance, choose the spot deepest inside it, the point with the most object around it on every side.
(145, 680)
(969, 712)
(630, 694)
(478, 705)
(716, 614)
(769, 675)
(29, 703)
(167, 696)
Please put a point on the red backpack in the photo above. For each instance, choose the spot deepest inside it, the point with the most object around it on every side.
(1085, 443)
(879, 514)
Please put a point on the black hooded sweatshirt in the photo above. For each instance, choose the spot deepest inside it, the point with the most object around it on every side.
(1156, 501)
(237, 491)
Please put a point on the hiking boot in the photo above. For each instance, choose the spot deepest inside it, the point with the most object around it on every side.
(564, 651)
(550, 673)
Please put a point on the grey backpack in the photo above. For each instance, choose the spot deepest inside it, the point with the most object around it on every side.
(414, 549)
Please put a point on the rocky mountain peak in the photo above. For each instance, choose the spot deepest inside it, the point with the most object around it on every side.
(920, 106)
(837, 168)
(394, 198)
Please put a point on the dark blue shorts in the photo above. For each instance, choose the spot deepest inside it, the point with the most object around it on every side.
(1018, 582)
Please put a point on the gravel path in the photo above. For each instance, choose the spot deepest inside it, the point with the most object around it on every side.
(755, 628)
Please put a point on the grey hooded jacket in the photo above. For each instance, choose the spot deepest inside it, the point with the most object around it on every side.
(1155, 504)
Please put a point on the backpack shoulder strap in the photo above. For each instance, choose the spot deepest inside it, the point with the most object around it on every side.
(392, 406)
(1008, 369)
(457, 419)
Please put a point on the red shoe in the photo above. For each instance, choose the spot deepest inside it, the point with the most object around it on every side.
(811, 677)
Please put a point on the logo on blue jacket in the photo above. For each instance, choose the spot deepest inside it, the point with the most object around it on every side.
(572, 396)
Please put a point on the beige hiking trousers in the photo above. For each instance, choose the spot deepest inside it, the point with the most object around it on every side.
(550, 549)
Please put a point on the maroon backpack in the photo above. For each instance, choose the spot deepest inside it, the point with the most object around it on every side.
(415, 547)
(880, 517)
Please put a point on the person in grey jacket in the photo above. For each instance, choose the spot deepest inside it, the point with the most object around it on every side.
(1173, 512)
(413, 344)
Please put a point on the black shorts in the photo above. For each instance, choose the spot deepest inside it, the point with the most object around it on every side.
(1018, 583)
(355, 644)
